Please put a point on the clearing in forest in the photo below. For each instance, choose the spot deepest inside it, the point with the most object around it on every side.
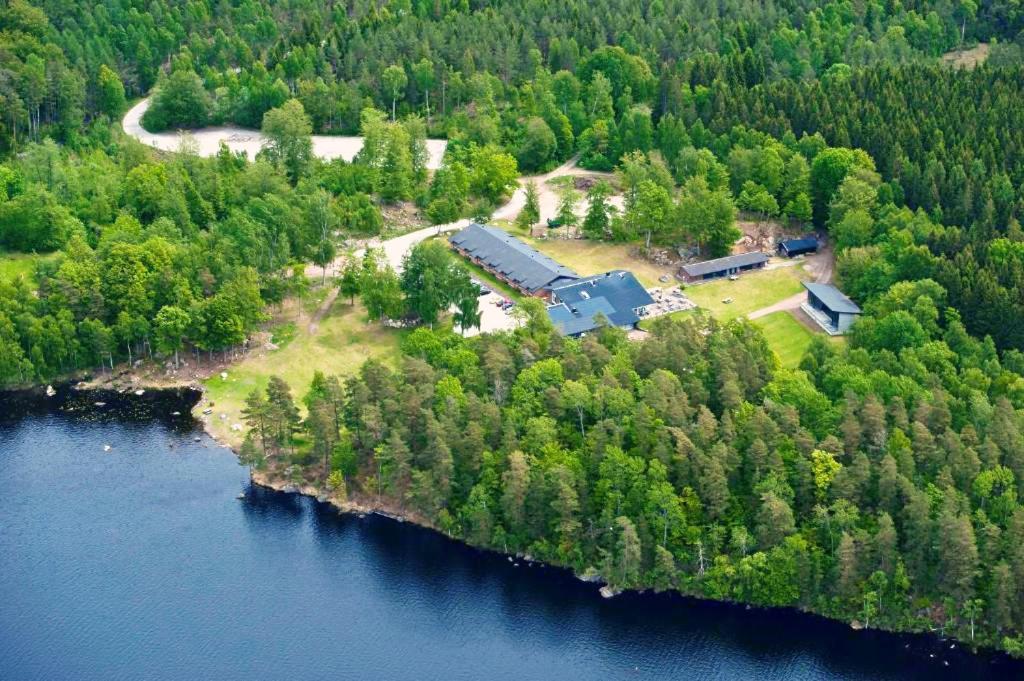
(338, 344)
(967, 59)
(24, 264)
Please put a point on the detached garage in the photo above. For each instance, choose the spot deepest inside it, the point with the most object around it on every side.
(790, 248)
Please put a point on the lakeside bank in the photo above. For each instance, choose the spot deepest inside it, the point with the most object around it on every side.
(131, 561)
(153, 402)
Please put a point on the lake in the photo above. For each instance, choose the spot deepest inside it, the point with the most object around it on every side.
(139, 562)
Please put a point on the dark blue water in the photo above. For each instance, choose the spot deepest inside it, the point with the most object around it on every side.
(140, 563)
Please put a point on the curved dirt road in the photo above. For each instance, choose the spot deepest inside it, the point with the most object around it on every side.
(396, 248)
(208, 140)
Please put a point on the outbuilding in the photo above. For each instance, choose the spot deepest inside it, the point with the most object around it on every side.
(723, 267)
(791, 248)
(830, 308)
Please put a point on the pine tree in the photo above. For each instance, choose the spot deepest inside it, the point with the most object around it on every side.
(530, 214)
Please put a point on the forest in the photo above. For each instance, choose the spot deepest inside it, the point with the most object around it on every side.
(878, 482)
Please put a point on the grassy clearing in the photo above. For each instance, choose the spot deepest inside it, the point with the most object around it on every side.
(786, 336)
(561, 181)
(24, 264)
(647, 324)
(343, 341)
(283, 334)
(752, 291)
(593, 257)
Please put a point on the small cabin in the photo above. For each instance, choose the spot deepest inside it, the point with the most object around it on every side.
(830, 308)
(790, 248)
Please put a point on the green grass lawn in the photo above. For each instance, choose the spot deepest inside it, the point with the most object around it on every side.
(786, 336)
(343, 341)
(648, 324)
(752, 291)
(561, 181)
(24, 264)
(593, 257)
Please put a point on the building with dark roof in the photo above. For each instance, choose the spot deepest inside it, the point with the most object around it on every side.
(722, 267)
(832, 310)
(577, 307)
(794, 247)
(510, 260)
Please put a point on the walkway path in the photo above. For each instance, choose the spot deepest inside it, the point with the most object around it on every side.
(208, 140)
(821, 265)
(314, 322)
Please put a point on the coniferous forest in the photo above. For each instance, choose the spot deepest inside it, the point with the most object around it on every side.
(877, 482)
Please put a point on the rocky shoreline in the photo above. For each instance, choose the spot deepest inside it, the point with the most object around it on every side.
(82, 395)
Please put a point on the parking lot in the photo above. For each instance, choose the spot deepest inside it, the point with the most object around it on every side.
(493, 316)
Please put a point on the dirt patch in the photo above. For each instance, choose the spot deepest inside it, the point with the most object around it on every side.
(663, 257)
(758, 235)
(967, 59)
(403, 217)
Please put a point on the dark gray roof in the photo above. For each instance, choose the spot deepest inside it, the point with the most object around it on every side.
(699, 269)
(799, 244)
(503, 253)
(616, 295)
(832, 298)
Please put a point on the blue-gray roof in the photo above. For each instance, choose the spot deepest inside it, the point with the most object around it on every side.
(503, 253)
(832, 298)
(699, 269)
(799, 244)
(617, 295)
(580, 319)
